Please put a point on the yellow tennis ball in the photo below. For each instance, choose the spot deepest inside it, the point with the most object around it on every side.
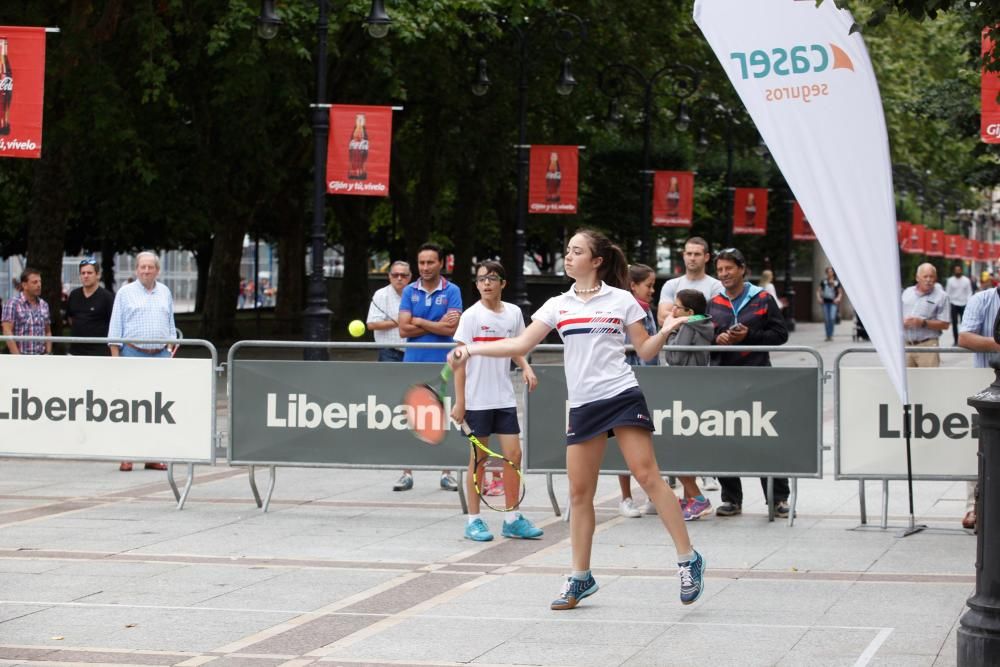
(356, 328)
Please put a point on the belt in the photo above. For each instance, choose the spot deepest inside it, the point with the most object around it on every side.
(918, 342)
(147, 351)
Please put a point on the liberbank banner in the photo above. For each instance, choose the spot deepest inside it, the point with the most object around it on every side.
(96, 407)
(748, 421)
(331, 413)
(944, 439)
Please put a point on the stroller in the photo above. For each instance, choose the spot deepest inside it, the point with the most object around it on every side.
(859, 330)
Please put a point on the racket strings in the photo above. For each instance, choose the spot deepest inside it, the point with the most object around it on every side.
(481, 454)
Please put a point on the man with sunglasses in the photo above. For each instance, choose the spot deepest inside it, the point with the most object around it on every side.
(88, 310)
(744, 314)
(383, 313)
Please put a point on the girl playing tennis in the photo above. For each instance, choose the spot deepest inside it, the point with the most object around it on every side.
(604, 397)
(484, 398)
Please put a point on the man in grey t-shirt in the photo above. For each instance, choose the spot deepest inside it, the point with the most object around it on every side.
(696, 256)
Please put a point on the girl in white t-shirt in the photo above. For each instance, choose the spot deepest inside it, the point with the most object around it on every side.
(484, 397)
(604, 397)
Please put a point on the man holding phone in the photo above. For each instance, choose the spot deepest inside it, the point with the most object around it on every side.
(745, 314)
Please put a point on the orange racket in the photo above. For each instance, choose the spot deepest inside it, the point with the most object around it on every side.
(425, 408)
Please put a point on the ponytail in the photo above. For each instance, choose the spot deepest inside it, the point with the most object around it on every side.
(614, 267)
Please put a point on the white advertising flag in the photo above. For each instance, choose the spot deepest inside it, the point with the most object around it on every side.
(809, 87)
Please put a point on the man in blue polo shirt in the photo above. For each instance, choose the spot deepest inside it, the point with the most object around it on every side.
(429, 311)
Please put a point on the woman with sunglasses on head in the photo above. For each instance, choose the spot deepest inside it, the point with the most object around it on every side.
(605, 400)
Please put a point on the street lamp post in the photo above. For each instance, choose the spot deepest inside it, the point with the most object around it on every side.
(613, 83)
(572, 30)
(316, 317)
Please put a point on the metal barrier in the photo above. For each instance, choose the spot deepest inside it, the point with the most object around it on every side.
(115, 433)
(795, 450)
(285, 430)
(962, 382)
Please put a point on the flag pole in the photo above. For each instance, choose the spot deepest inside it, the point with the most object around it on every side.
(907, 430)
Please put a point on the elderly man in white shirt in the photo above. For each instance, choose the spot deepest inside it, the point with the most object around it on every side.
(143, 309)
(925, 307)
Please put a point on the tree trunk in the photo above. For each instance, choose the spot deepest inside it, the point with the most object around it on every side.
(219, 315)
(47, 224)
(203, 260)
(291, 276)
(468, 208)
(353, 214)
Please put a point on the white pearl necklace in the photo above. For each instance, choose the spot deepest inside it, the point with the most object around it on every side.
(590, 290)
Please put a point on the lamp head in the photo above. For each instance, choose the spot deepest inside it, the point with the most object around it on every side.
(566, 82)
(268, 22)
(481, 85)
(378, 20)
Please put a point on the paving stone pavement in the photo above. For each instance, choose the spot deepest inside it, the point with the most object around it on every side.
(97, 567)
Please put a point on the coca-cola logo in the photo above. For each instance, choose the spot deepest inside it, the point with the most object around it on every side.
(553, 174)
(6, 84)
(358, 145)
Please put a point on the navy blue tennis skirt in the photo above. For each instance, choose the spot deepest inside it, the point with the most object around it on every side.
(592, 419)
(499, 421)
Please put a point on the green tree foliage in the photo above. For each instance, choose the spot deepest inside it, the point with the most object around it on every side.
(170, 124)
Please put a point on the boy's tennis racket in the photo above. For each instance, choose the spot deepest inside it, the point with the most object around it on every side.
(481, 454)
(427, 420)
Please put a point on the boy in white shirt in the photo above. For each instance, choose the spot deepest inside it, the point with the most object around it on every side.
(484, 398)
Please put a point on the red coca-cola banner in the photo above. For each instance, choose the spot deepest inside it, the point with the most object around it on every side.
(934, 243)
(903, 234)
(916, 240)
(358, 150)
(982, 254)
(22, 91)
(953, 246)
(801, 229)
(750, 211)
(968, 249)
(553, 185)
(673, 198)
(989, 124)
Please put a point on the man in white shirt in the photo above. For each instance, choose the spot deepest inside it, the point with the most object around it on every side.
(959, 289)
(696, 256)
(383, 314)
(925, 305)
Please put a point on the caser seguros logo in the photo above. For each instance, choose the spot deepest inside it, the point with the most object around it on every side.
(798, 60)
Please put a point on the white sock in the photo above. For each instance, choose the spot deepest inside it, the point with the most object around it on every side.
(473, 517)
(581, 575)
(510, 517)
(685, 558)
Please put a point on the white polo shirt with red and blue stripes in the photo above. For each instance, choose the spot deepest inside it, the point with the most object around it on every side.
(593, 333)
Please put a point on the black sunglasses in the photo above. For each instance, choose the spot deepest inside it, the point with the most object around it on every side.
(733, 255)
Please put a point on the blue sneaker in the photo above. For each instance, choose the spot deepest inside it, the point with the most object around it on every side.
(573, 591)
(478, 531)
(692, 575)
(522, 528)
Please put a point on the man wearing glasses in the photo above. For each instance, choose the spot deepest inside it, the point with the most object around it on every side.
(88, 310)
(143, 309)
(383, 314)
(27, 315)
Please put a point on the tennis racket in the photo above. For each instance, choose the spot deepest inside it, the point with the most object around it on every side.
(427, 420)
(481, 454)
(425, 408)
